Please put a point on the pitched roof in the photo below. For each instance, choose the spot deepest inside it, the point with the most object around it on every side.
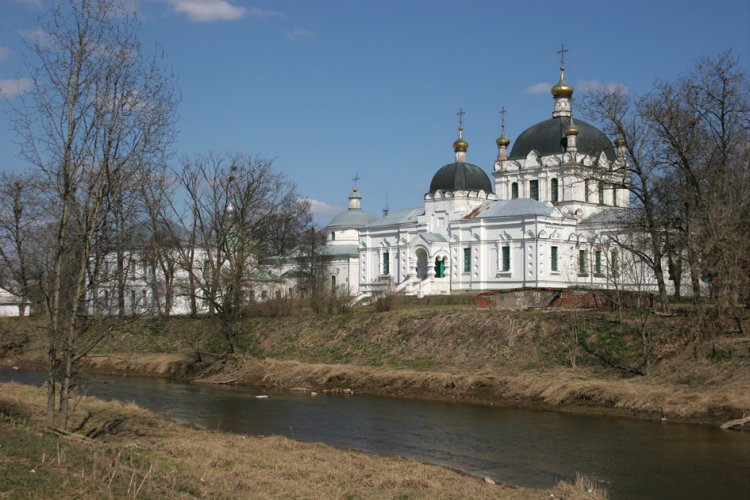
(402, 216)
(518, 207)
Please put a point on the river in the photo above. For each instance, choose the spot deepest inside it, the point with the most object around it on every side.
(634, 459)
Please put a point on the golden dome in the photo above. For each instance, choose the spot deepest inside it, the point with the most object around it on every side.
(571, 130)
(562, 89)
(460, 145)
(620, 141)
(502, 141)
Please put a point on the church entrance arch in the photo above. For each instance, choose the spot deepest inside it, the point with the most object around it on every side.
(421, 263)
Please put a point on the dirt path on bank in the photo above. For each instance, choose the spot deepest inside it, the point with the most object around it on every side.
(567, 390)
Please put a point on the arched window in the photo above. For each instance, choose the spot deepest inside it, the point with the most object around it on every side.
(534, 189)
(598, 262)
(583, 268)
(614, 196)
(601, 193)
(514, 190)
(333, 235)
(333, 282)
(586, 190)
(553, 189)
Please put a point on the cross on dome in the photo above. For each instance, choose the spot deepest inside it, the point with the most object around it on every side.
(460, 145)
(562, 52)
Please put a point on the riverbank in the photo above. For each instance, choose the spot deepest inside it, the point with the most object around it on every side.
(575, 391)
(121, 450)
(578, 361)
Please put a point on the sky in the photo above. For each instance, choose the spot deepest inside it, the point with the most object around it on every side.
(330, 89)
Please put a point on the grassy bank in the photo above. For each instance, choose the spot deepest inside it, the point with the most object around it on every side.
(588, 361)
(119, 450)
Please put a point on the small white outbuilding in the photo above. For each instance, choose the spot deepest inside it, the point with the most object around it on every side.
(9, 303)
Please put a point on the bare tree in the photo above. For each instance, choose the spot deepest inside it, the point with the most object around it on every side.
(98, 112)
(236, 207)
(311, 270)
(688, 169)
(165, 236)
(19, 222)
(702, 126)
(620, 115)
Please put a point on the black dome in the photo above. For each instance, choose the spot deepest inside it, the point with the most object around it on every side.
(460, 176)
(548, 138)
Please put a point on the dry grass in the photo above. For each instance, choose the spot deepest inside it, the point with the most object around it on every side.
(159, 364)
(584, 488)
(130, 452)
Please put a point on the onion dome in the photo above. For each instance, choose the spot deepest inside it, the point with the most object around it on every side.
(571, 130)
(460, 145)
(548, 138)
(460, 176)
(502, 141)
(620, 141)
(562, 89)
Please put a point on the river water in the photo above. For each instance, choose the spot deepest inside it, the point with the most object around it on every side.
(634, 459)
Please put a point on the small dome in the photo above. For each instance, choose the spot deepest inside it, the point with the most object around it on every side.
(548, 138)
(502, 141)
(460, 176)
(562, 89)
(351, 219)
(571, 130)
(460, 145)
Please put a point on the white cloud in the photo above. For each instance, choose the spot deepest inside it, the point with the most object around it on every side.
(208, 10)
(263, 13)
(298, 33)
(4, 53)
(322, 209)
(539, 88)
(596, 86)
(13, 88)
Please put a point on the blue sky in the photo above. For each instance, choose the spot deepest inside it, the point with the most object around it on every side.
(332, 88)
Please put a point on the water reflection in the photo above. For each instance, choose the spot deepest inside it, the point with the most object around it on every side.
(530, 448)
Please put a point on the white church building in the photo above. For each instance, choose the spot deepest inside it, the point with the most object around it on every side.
(543, 219)
(538, 222)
